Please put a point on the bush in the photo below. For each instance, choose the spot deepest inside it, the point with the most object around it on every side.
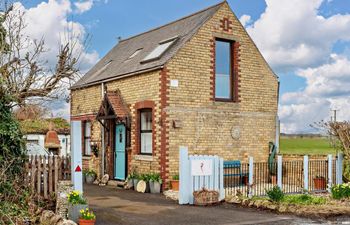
(89, 173)
(340, 191)
(75, 198)
(304, 199)
(275, 194)
(176, 177)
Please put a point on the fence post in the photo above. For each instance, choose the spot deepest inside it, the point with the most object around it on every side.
(306, 172)
(251, 177)
(279, 171)
(330, 168)
(221, 179)
(184, 173)
(339, 168)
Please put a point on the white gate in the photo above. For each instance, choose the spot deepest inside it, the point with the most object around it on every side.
(197, 172)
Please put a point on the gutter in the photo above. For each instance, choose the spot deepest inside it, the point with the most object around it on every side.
(117, 77)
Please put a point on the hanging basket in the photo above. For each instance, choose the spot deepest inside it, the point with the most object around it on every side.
(205, 197)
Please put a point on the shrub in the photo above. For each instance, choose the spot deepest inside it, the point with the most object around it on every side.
(340, 191)
(176, 177)
(304, 199)
(87, 214)
(275, 194)
(145, 177)
(89, 173)
(76, 198)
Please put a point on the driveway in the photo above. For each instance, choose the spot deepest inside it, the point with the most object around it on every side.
(118, 206)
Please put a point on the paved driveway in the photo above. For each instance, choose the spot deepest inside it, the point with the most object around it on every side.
(118, 206)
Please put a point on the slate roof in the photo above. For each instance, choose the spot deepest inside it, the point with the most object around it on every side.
(116, 63)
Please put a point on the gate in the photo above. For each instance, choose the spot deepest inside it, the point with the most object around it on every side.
(198, 172)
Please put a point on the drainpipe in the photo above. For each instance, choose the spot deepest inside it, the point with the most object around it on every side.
(103, 137)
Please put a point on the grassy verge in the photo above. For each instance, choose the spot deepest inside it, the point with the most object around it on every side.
(310, 146)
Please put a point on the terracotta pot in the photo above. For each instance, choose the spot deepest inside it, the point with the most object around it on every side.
(320, 183)
(274, 179)
(245, 180)
(86, 222)
(175, 185)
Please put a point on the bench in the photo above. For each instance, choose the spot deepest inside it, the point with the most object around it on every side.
(234, 168)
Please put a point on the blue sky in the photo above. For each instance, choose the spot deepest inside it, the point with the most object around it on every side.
(301, 39)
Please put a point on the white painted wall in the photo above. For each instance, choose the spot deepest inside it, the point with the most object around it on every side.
(40, 140)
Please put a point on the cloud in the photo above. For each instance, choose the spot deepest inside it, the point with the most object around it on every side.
(245, 19)
(83, 6)
(292, 34)
(327, 88)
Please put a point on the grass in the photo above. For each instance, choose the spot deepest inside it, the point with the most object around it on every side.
(305, 145)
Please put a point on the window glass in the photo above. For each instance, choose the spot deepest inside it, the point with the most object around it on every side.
(87, 137)
(223, 70)
(146, 131)
(158, 51)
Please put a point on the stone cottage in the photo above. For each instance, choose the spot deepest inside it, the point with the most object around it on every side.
(199, 81)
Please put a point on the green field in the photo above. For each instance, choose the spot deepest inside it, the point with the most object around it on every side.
(305, 145)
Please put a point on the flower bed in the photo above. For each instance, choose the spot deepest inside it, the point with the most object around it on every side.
(320, 206)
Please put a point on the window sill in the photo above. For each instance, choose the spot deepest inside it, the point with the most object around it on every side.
(143, 157)
(86, 157)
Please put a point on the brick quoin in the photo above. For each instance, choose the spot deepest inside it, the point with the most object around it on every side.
(164, 137)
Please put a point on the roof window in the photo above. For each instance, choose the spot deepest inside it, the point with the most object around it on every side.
(135, 53)
(160, 49)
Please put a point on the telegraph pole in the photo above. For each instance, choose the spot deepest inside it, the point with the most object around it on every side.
(335, 115)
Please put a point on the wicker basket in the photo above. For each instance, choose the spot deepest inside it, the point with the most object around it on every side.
(205, 197)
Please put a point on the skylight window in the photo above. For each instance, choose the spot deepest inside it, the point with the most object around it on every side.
(135, 53)
(159, 50)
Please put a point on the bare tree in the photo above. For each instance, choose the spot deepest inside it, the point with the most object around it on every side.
(25, 73)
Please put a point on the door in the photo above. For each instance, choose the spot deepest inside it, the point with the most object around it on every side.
(120, 156)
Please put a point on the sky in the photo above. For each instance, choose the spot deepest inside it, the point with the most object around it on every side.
(306, 42)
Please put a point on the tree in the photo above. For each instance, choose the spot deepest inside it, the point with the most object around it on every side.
(24, 72)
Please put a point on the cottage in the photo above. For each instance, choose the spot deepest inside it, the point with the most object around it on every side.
(199, 81)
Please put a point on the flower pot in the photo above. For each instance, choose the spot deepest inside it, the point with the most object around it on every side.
(147, 187)
(175, 185)
(130, 183)
(154, 187)
(86, 222)
(90, 179)
(274, 179)
(135, 181)
(320, 183)
(74, 211)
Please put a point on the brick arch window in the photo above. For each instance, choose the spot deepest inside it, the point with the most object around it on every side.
(144, 127)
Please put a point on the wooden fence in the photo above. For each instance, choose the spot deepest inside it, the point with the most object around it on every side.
(44, 172)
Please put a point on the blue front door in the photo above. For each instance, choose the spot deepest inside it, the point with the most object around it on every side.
(120, 156)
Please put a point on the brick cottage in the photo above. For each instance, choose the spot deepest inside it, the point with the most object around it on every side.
(199, 81)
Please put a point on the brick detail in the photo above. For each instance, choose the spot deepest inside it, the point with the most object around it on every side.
(164, 136)
(226, 24)
(236, 72)
(212, 69)
(147, 104)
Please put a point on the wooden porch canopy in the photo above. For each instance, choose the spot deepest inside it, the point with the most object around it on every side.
(113, 107)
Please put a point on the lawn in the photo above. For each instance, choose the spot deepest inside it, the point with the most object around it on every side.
(306, 145)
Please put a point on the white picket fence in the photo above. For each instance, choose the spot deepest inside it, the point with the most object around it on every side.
(197, 172)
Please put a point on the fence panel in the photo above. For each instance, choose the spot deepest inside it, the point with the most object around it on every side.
(318, 175)
(292, 176)
(236, 179)
(44, 172)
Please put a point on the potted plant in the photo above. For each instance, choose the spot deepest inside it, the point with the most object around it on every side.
(146, 179)
(90, 176)
(130, 181)
(87, 217)
(154, 183)
(320, 183)
(175, 182)
(76, 202)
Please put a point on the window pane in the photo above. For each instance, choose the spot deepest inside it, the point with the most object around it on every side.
(146, 142)
(222, 69)
(87, 135)
(158, 51)
(146, 120)
(87, 147)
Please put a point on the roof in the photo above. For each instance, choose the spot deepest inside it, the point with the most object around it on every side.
(41, 126)
(116, 103)
(117, 63)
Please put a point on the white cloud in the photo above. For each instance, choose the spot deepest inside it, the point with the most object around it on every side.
(83, 6)
(327, 88)
(245, 19)
(292, 33)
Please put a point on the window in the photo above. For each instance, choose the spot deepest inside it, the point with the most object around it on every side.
(87, 137)
(135, 53)
(146, 131)
(223, 70)
(160, 49)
